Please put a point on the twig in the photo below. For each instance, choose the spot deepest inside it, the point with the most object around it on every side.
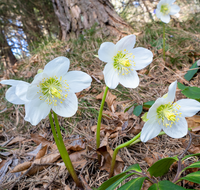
(85, 185)
(32, 166)
(180, 157)
(53, 178)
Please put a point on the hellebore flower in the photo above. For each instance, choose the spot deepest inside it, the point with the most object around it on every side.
(165, 8)
(123, 61)
(168, 116)
(53, 88)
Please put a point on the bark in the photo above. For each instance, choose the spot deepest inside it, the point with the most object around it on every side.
(77, 15)
(5, 50)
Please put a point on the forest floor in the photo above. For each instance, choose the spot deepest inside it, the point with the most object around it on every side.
(20, 142)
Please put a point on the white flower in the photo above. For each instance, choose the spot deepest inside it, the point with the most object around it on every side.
(168, 116)
(123, 61)
(165, 8)
(54, 88)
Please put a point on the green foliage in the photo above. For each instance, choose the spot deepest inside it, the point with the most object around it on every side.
(162, 166)
(194, 165)
(191, 155)
(134, 184)
(165, 185)
(138, 110)
(189, 75)
(190, 92)
(113, 182)
(148, 104)
(193, 177)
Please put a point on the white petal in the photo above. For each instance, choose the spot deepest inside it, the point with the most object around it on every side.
(58, 66)
(153, 109)
(77, 80)
(130, 80)
(110, 76)
(150, 130)
(174, 9)
(170, 96)
(36, 110)
(34, 87)
(165, 18)
(21, 91)
(158, 13)
(106, 51)
(68, 108)
(143, 57)
(177, 130)
(12, 97)
(13, 82)
(188, 107)
(127, 43)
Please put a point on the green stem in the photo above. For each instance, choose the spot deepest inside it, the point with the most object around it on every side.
(61, 147)
(99, 121)
(116, 151)
(164, 41)
(129, 143)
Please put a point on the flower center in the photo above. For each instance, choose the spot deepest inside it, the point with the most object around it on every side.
(165, 9)
(168, 113)
(53, 90)
(122, 62)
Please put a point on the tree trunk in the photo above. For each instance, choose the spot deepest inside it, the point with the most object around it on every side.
(5, 50)
(77, 15)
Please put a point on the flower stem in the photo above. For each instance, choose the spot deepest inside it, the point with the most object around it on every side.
(61, 147)
(164, 41)
(116, 151)
(99, 121)
(129, 143)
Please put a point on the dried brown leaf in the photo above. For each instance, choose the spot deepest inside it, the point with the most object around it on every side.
(76, 145)
(15, 140)
(39, 139)
(194, 122)
(21, 167)
(107, 154)
(109, 99)
(41, 152)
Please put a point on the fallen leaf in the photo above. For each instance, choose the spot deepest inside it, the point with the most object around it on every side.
(34, 152)
(41, 152)
(76, 145)
(4, 168)
(39, 139)
(15, 140)
(107, 154)
(194, 122)
(109, 99)
(21, 167)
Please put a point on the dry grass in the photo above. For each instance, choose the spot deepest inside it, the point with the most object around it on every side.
(154, 82)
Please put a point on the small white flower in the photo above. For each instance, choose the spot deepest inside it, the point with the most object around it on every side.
(53, 88)
(123, 61)
(165, 8)
(168, 116)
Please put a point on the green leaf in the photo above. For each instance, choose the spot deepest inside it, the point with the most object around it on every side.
(148, 104)
(192, 92)
(194, 165)
(191, 155)
(135, 167)
(182, 86)
(188, 76)
(114, 185)
(134, 184)
(193, 177)
(165, 185)
(161, 166)
(112, 180)
(129, 107)
(138, 110)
